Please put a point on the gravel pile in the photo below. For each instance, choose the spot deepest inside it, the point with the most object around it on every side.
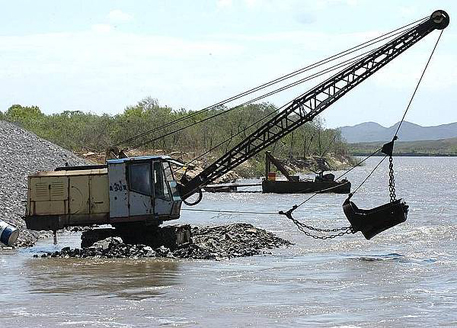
(23, 153)
(210, 243)
(233, 240)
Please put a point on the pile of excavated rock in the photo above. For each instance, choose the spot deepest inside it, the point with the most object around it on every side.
(23, 153)
(221, 242)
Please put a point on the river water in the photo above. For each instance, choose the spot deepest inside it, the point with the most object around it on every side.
(404, 277)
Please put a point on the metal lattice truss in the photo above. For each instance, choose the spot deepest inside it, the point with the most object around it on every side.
(304, 108)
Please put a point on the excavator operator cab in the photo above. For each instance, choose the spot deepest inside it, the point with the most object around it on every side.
(142, 189)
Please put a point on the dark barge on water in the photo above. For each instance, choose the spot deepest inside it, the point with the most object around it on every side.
(324, 183)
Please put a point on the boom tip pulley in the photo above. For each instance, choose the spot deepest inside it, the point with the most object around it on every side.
(440, 18)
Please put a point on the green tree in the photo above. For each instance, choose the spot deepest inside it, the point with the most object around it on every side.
(220, 129)
(24, 115)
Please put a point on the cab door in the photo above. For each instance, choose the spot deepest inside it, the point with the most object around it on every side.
(140, 189)
(163, 200)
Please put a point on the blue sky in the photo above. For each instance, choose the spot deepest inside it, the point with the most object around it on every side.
(101, 56)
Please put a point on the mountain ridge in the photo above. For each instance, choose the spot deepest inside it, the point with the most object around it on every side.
(372, 132)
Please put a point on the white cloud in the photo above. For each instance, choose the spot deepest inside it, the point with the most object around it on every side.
(405, 72)
(352, 2)
(104, 69)
(224, 3)
(101, 28)
(97, 51)
(107, 71)
(344, 2)
(118, 16)
(408, 11)
(252, 3)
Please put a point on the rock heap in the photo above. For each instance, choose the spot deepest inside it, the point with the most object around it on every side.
(23, 153)
(211, 243)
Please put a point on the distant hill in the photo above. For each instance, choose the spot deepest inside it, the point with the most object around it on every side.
(442, 147)
(372, 132)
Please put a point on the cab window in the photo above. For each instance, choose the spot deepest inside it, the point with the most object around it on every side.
(160, 183)
(168, 172)
(140, 178)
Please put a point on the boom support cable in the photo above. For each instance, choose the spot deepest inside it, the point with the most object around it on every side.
(335, 67)
(279, 79)
(342, 64)
(288, 86)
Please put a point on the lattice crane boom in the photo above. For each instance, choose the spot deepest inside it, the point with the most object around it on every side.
(304, 108)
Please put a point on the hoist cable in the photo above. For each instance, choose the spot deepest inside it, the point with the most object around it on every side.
(369, 175)
(338, 231)
(391, 178)
(339, 177)
(418, 83)
(398, 128)
(279, 79)
(301, 226)
(392, 191)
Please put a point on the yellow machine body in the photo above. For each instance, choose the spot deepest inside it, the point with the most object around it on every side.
(77, 197)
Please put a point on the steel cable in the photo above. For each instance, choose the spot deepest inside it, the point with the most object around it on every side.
(288, 86)
(277, 80)
(301, 226)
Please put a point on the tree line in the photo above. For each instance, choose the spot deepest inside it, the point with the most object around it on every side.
(82, 132)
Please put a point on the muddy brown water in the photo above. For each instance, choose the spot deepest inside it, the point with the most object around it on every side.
(404, 277)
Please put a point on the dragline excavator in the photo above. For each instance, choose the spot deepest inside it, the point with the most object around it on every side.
(136, 194)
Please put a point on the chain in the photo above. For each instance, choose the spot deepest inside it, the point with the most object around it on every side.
(300, 224)
(393, 197)
(304, 228)
(338, 232)
(343, 231)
